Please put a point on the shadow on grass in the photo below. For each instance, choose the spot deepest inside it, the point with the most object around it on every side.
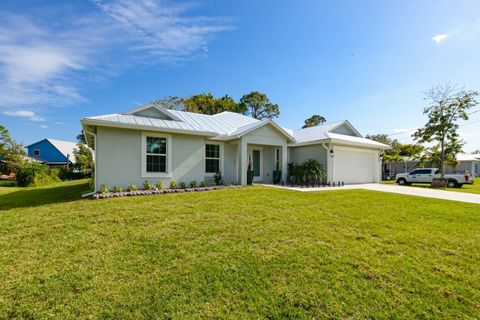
(33, 197)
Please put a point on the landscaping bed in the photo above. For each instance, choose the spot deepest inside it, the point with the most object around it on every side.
(156, 191)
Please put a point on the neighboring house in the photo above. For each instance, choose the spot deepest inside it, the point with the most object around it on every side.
(156, 144)
(467, 163)
(52, 152)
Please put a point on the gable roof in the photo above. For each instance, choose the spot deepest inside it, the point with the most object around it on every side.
(154, 106)
(320, 131)
(225, 126)
(239, 132)
(64, 147)
(325, 133)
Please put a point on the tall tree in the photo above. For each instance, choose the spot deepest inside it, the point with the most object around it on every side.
(12, 152)
(447, 105)
(226, 103)
(83, 158)
(476, 151)
(200, 103)
(258, 106)
(314, 120)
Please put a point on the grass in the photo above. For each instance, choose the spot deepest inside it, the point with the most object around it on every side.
(467, 188)
(254, 252)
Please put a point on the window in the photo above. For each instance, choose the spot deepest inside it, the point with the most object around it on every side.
(423, 171)
(36, 152)
(156, 154)
(212, 158)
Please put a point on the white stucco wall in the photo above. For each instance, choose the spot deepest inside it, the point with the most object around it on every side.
(230, 172)
(316, 152)
(119, 158)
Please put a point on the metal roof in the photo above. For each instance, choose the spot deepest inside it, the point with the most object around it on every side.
(468, 157)
(226, 125)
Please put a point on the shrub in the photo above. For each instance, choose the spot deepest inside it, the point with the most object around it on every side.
(173, 184)
(117, 189)
(132, 187)
(34, 174)
(193, 184)
(182, 185)
(147, 185)
(71, 174)
(104, 189)
(159, 185)
(218, 178)
(203, 184)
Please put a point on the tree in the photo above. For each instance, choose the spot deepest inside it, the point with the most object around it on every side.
(314, 120)
(226, 103)
(83, 158)
(476, 151)
(381, 137)
(258, 106)
(12, 152)
(200, 103)
(81, 138)
(447, 105)
(170, 102)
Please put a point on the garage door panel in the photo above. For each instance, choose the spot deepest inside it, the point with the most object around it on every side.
(355, 165)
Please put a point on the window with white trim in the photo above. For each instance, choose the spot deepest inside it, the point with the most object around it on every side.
(156, 155)
(36, 152)
(212, 158)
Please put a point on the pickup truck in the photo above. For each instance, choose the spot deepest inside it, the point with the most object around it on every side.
(426, 175)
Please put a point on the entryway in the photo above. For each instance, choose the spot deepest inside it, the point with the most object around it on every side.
(256, 157)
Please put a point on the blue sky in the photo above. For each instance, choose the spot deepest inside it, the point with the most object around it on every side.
(365, 61)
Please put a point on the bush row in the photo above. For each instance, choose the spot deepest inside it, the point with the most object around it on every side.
(147, 186)
(155, 191)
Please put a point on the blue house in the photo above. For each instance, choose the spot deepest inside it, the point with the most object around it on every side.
(54, 153)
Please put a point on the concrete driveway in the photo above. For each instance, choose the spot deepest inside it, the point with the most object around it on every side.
(392, 188)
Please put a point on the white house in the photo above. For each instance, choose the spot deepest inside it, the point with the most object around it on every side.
(156, 144)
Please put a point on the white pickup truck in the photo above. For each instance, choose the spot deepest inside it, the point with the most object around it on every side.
(426, 175)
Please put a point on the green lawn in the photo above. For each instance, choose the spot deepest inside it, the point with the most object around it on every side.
(468, 188)
(242, 253)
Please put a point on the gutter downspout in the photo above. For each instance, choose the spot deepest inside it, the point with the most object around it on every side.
(95, 168)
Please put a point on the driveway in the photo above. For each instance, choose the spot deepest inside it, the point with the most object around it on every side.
(391, 188)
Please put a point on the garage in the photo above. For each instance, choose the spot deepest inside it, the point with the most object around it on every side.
(355, 165)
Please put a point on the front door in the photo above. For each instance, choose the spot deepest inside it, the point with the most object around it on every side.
(257, 164)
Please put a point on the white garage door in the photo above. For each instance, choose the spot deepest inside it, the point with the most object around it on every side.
(353, 165)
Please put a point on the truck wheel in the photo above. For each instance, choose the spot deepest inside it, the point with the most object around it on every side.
(459, 185)
(402, 182)
(452, 184)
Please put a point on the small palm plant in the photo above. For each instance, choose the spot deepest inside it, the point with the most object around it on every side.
(314, 173)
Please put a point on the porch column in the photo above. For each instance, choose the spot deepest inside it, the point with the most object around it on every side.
(243, 161)
(284, 163)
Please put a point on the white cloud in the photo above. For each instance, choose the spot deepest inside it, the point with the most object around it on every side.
(440, 38)
(44, 61)
(23, 114)
(43, 126)
(405, 130)
(19, 113)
